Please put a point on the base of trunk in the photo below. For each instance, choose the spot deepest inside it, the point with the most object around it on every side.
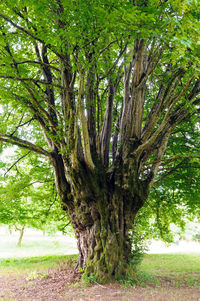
(103, 254)
(102, 218)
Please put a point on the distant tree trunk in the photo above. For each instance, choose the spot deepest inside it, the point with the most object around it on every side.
(21, 231)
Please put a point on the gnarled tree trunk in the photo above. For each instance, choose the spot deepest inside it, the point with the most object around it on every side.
(102, 214)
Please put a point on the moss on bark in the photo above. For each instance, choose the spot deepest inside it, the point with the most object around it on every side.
(102, 216)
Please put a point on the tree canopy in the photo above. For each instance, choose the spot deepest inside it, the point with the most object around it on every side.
(108, 92)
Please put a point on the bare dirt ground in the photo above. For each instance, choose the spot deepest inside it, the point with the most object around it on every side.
(64, 284)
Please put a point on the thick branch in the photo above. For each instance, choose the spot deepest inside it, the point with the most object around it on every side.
(24, 144)
(49, 90)
(86, 141)
(160, 104)
(165, 120)
(91, 107)
(107, 126)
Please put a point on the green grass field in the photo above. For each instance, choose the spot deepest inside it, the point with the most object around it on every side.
(39, 253)
(181, 270)
(26, 265)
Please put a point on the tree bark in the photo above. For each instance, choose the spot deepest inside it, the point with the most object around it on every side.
(21, 231)
(104, 210)
(104, 245)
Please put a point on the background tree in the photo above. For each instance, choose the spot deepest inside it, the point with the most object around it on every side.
(98, 88)
(28, 195)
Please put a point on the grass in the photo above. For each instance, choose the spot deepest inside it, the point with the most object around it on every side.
(39, 253)
(39, 264)
(179, 269)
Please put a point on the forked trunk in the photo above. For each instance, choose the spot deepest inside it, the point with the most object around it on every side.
(102, 208)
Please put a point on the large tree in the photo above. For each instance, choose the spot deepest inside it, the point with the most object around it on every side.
(98, 88)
